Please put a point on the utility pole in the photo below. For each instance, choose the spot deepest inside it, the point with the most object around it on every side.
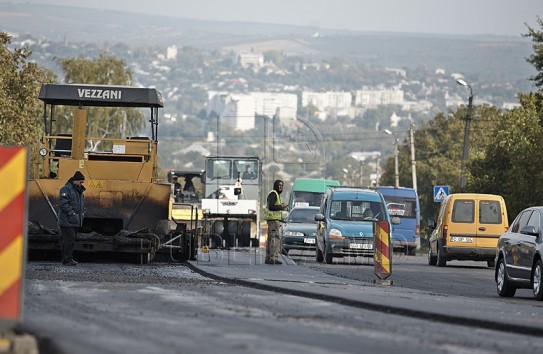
(377, 169)
(413, 161)
(465, 152)
(396, 173)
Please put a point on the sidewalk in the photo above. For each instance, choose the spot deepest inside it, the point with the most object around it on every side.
(247, 266)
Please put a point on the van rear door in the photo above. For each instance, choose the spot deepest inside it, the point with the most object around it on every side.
(490, 222)
(463, 231)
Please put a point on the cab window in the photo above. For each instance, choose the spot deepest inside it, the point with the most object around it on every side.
(246, 169)
(218, 169)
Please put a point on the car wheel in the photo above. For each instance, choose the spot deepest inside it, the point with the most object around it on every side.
(537, 280)
(432, 260)
(318, 255)
(505, 289)
(327, 256)
(441, 260)
(491, 263)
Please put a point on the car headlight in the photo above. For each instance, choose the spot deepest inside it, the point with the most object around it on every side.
(293, 233)
(335, 234)
(43, 151)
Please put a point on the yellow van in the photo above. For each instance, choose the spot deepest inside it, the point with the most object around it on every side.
(467, 228)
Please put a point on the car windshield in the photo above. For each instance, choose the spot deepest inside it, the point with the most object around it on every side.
(302, 216)
(307, 198)
(357, 210)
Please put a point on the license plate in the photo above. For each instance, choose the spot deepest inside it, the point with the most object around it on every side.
(309, 240)
(362, 246)
(461, 239)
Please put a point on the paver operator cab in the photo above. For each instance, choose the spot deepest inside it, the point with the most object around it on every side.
(128, 209)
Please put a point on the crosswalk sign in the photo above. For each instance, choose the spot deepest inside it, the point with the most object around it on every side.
(440, 192)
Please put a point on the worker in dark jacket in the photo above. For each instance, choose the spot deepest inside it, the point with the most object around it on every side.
(70, 218)
(273, 215)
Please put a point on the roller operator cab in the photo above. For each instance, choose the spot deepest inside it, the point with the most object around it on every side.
(127, 208)
(231, 202)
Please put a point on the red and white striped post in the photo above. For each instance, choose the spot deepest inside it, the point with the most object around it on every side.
(13, 165)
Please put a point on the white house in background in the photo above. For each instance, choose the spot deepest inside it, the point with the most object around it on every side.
(249, 59)
(373, 98)
(397, 71)
(394, 119)
(510, 105)
(267, 103)
(453, 100)
(239, 110)
(331, 102)
(171, 52)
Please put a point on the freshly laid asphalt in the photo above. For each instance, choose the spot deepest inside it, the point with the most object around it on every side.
(246, 267)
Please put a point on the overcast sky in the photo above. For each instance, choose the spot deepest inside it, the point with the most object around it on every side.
(500, 17)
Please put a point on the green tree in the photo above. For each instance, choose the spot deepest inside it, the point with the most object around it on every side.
(438, 148)
(101, 122)
(273, 56)
(536, 59)
(19, 87)
(510, 165)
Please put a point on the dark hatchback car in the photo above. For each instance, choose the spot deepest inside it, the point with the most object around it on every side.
(299, 229)
(518, 259)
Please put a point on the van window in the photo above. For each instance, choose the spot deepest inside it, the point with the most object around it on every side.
(490, 212)
(463, 211)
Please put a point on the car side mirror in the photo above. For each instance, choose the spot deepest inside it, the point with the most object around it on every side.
(529, 230)
(395, 220)
(431, 223)
(319, 217)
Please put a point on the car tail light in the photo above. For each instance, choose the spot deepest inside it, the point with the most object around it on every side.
(417, 230)
(445, 231)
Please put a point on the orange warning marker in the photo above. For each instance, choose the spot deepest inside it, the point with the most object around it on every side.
(13, 163)
(381, 250)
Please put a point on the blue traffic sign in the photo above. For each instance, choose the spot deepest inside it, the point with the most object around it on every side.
(440, 192)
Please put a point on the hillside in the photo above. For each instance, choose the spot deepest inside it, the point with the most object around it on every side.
(488, 59)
